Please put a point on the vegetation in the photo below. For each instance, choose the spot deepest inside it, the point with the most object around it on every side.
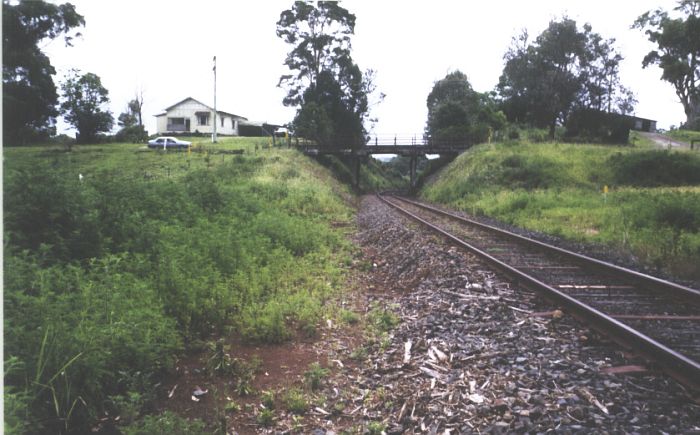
(678, 53)
(131, 122)
(116, 259)
(329, 89)
(686, 136)
(651, 210)
(83, 105)
(457, 113)
(563, 70)
(27, 81)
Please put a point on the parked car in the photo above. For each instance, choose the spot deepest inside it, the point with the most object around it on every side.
(281, 132)
(166, 142)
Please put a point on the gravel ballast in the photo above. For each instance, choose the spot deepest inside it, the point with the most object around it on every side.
(473, 352)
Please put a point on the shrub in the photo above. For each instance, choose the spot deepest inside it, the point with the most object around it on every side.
(656, 168)
(132, 134)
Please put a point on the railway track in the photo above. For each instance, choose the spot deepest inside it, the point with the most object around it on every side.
(656, 318)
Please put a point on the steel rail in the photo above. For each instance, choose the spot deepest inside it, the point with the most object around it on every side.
(641, 278)
(682, 368)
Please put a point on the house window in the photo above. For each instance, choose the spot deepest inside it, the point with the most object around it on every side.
(202, 118)
(177, 124)
(222, 121)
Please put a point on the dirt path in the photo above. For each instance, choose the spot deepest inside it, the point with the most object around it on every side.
(664, 141)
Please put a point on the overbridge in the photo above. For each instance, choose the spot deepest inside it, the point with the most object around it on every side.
(403, 146)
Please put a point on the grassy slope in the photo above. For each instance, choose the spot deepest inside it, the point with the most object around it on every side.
(558, 189)
(151, 251)
(684, 135)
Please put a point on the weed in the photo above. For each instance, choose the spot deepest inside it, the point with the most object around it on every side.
(314, 375)
(219, 361)
(265, 418)
(376, 428)
(165, 423)
(359, 353)
(243, 386)
(381, 319)
(136, 266)
(297, 422)
(295, 401)
(127, 407)
(232, 407)
(268, 399)
(349, 317)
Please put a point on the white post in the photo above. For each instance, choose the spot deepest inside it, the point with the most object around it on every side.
(213, 137)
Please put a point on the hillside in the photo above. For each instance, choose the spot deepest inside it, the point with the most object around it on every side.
(119, 259)
(651, 209)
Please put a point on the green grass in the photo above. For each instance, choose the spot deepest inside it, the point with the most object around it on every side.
(685, 135)
(652, 209)
(109, 277)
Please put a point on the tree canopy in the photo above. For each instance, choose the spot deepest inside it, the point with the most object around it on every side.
(29, 93)
(329, 89)
(131, 122)
(457, 113)
(678, 53)
(83, 103)
(563, 70)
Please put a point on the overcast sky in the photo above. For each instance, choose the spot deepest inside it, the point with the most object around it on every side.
(165, 48)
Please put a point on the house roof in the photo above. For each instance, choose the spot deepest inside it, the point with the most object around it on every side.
(197, 101)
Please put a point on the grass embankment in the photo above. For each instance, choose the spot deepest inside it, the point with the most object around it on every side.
(117, 259)
(652, 208)
(685, 135)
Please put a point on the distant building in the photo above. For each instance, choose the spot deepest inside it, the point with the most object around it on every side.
(643, 124)
(192, 116)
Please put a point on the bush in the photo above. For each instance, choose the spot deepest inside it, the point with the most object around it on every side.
(132, 134)
(656, 168)
(107, 277)
(595, 126)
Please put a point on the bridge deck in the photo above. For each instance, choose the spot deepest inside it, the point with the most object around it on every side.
(402, 150)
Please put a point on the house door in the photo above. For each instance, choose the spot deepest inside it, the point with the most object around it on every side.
(187, 124)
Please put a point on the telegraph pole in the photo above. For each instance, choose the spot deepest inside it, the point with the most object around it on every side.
(213, 137)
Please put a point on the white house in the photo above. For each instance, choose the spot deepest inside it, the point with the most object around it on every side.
(192, 116)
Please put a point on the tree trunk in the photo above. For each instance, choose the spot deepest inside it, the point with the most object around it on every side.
(693, 115)
(552, 128)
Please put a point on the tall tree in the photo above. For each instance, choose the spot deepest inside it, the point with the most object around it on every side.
(457, 113)
(678, 53)
(131, 122)
(83, 105)
(29, 95)
(564, 69)
(329, 89)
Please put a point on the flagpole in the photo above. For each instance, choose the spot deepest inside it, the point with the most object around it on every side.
(213, 138)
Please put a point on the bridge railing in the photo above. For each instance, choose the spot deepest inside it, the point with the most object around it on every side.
(384, 141)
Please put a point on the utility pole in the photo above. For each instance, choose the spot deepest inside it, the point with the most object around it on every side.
(213, 137)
